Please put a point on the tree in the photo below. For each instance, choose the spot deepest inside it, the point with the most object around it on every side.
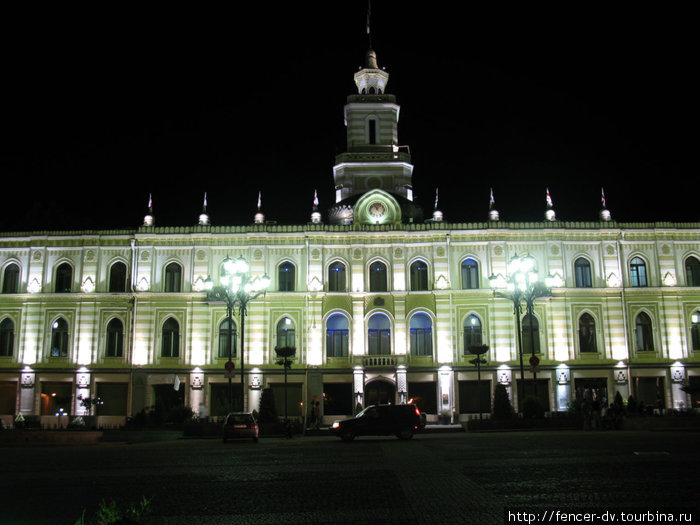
(502, 409)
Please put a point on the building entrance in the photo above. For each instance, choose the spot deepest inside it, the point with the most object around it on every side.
(379, 392)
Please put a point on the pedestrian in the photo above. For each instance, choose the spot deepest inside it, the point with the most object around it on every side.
(315, 413)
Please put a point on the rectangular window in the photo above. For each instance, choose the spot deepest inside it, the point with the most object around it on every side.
(337, 343)
(421, 341)
(379, 342)
(372, 131)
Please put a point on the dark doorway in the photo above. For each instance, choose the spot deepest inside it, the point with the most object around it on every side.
(598, 387)
(424, 396)
(220, 393)
(379, 392)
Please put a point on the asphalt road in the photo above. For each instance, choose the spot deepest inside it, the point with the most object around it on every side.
(434, 478)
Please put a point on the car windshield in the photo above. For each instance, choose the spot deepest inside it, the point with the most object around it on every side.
(367, 411)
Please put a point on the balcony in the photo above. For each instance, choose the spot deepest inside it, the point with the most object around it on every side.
(382, 361)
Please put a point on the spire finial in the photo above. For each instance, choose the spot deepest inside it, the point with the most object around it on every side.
(493, 212)
(148, 219)
(259, 217)
(369, 14)
(549, 215)
(315, 215)
(604, 212)
(203, 217)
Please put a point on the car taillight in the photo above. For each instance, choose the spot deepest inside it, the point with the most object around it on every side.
(417, 411)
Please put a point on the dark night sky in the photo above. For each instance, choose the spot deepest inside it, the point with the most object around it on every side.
(102, 108)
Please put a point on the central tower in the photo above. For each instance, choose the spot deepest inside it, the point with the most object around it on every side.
(373, 178)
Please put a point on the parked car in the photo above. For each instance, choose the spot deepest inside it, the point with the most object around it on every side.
(376, 420)
(240, 425)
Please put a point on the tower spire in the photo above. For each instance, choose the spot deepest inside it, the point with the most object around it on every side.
(204, 217)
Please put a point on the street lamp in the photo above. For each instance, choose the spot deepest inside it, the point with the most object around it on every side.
(236, 288)
(523, 284)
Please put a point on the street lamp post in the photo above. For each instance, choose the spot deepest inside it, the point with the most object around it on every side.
(236, 288)
(524, 284)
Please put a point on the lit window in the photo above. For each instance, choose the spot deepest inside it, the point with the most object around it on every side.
(59, 338)
(377, 277)
(421, 335)
(695, 330)
(117, 278)
(692, 271)
(286, 333)
(582, 272)
(470, 274)
(170, 343)
(419, 276)
(336, 277)
(173, 278)
(531, 334)
(337, 331)
(638, 272)
(64, 278)
(10, 281)
(286, 277)
(115, 338)
(227, 338)
(586, 334)
(643, 338)
(7, 337)
(472, 332)
(379, 335)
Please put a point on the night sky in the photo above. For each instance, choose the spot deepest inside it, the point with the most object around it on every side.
(101, 108)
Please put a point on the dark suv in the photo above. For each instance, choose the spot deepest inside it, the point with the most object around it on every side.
(378, 420)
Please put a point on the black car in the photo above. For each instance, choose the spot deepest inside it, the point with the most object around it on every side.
(377, 420)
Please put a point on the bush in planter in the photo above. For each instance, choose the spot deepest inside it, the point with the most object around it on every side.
(502, 409)
(532, 408)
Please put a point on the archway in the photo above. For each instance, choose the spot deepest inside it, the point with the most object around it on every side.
(379, 392)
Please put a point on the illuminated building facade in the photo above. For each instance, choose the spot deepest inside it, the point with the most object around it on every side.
(380, 302)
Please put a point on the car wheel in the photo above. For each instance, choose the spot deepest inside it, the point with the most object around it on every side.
(347, 436)
(405, 434)
(255, 439)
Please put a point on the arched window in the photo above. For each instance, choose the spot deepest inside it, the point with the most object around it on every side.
(64, 278)
(170, 338)
(586, 334)
(419, 276)
(421, 334)
(173, 278)
(378, 277)
(692, 271)
(643, 335)
(7, 337)
(117, 278)
(286, 333)
(695, 330)
(115, 338)
(286, 276)
(638, 272)
(59, 338)
(472, 332)
(582, 273)
(336, 277)
(379, 335)
(470, 274)
(531, 334)
(337, 330)
(227, 338)
(10, 281)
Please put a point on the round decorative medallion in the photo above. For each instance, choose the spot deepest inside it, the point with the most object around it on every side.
(377, 210)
